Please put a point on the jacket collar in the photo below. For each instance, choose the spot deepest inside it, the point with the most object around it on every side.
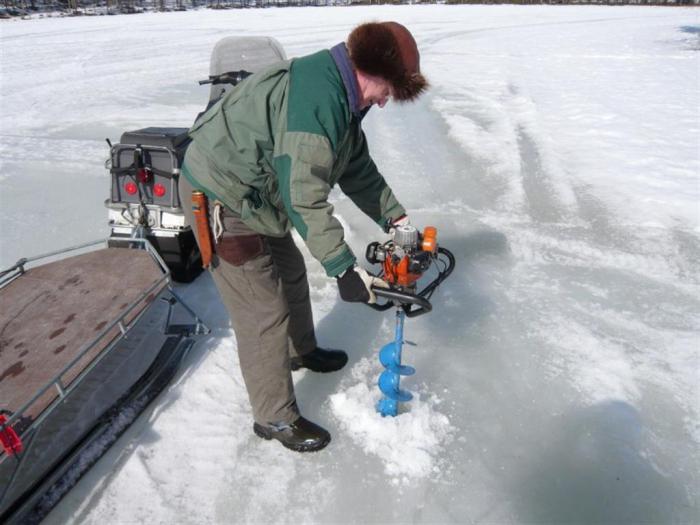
(342, 61)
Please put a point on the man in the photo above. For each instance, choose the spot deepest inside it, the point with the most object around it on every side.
(267, 156)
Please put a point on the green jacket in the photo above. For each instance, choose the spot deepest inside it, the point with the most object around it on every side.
(273, 147)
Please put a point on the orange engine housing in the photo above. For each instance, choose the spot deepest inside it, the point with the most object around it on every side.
(398, 273)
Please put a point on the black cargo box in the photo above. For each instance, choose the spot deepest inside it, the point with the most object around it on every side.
(174, 138)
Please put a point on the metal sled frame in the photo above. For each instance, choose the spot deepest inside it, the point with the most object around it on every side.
(198, 328)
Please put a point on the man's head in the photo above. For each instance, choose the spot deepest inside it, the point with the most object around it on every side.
(387, 63)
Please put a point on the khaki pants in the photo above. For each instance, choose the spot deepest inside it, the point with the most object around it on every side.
(262, 282)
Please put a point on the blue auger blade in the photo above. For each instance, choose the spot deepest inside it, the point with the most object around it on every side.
(404, 395)
(402, 370)
(389, 354)
(388, 407)
(389, 357)
(389, 385)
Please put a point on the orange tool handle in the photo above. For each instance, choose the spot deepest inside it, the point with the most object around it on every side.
(200, 209)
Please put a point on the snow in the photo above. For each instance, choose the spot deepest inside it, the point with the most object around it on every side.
(558, 153)
(409, 445)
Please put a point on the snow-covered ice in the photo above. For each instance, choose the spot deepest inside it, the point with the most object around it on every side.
(558, 153)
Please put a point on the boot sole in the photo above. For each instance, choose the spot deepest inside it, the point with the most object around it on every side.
(267, 435)
(296, 366)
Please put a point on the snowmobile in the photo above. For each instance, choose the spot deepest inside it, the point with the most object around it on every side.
(90, 335)
(145, 164)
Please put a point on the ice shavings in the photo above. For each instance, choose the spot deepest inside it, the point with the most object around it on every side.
(409, 445)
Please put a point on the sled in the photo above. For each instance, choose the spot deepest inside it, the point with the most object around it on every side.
(87, 341)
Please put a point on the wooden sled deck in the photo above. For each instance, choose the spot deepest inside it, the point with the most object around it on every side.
(51, 313)
(86, 342)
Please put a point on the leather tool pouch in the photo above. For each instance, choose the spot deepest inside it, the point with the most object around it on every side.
(239, 249)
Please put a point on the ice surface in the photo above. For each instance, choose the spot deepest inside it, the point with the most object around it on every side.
(557, 377)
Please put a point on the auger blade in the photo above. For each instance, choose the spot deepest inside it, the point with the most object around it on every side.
(389, 385)
(388, 407)
(389, 356)
(403, 370)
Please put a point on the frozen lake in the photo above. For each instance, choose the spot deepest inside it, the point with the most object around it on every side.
(558, 153)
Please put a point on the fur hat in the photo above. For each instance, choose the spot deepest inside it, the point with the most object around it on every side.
(388, 50)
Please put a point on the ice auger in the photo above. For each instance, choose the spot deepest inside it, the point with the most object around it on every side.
(404, 259)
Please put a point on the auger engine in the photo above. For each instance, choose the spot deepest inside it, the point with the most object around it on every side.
(404, 260)
(406, 257)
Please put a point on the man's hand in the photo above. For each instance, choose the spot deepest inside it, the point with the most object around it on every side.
(355, 285)
(391, 225)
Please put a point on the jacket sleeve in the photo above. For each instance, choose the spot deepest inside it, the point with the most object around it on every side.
(363, 183)
(303, 171)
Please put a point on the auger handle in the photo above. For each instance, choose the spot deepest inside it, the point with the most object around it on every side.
(406, 300)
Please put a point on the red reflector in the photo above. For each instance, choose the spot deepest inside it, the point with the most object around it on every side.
(11, 443)
(159, 190)
(131, 188)
(144, 175)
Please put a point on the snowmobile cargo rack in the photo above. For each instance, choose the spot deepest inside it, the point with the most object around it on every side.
(144, 199)
(148, 155)
(90, 334)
